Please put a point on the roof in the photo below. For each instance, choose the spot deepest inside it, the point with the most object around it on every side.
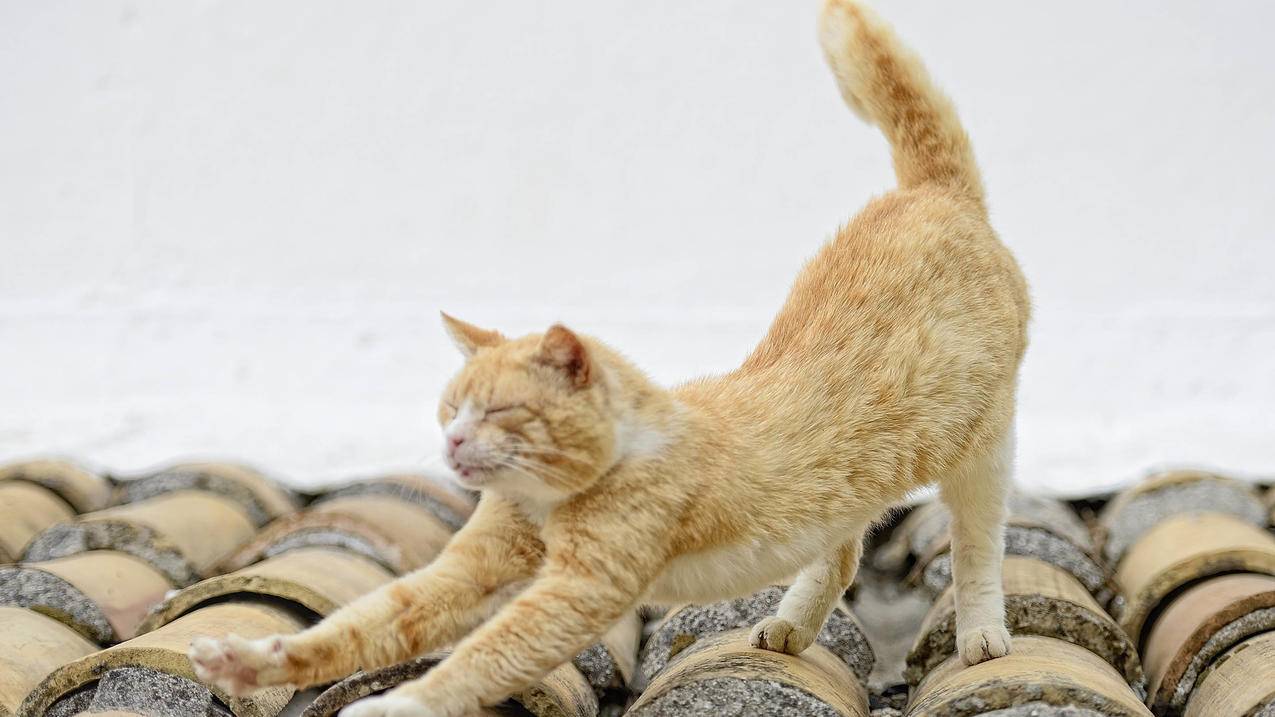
(1159, 601)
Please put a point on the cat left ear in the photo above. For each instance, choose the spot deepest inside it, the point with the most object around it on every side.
(563, 350)
(469, 338)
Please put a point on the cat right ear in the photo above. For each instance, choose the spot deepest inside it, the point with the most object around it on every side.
(469, 338)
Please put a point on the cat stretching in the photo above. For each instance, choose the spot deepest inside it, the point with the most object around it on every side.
(891, 367)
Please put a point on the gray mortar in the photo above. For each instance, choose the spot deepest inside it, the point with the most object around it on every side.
(1145, 511)
(139, 541)
(735, 697)
(1231, 634)
(1044, 709)
(1039, 509)
(599, 668)
(440, 510)
(72, 703)
(50, 595)
(158, 694)
(329, 537)
(140, 489)
(1035, 543)
(143, 691)
(840, 634)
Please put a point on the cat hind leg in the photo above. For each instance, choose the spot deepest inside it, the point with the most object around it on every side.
(976, 496)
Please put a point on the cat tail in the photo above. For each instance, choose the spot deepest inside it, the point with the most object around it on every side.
(885, 83)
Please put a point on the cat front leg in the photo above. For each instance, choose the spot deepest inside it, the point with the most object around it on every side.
(585, 587)
(483, 567)
(808, 602)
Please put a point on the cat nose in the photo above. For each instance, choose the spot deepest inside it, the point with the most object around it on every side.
(455, 441)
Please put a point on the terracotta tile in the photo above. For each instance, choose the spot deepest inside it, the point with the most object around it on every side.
(1240, 682)
(684, 625)
(400, 534)
(318, 580)
(449, 506)
(101, 594)
(1144, 505)
(1184, 549)
(1040, 599)
(82, 489)
(1041, 670)
(1201, 624)
(183, 534)
(26, 509)
(32, 646)
(722, 669)
(262, 497)
(163, 653)
(1028, 537)
(563, 693)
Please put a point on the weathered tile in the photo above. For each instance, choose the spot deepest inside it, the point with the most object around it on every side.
(684, 625)
(82, 489)
(1184, 549)
(1144, 505)
(318, 580)
(400, 534)
(1040, 599)
(31, 646)
(262, 497)
(101, 594)
(26, 509)
(1199, 625)
(183, 533)
(563, 693)
(162, 653)
(448, 505)
(721, 675)
(1240, 682)
(1042, 676)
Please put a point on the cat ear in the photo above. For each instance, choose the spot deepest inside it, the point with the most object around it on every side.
(563, 350)
(469, 338)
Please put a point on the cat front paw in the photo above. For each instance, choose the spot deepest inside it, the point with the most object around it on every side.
(983, 643)
(779, 635)
(239, 666)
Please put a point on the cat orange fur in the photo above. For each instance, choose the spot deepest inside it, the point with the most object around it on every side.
(891, 367)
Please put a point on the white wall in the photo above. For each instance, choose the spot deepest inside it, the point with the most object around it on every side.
(226, 227)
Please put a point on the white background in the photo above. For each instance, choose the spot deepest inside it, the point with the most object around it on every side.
(226, 228)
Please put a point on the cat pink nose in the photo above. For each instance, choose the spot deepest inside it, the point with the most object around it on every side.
(455, 441)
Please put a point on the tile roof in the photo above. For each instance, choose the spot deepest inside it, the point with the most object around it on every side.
(1160, 600)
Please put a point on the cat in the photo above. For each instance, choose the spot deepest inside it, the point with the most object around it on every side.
(891, 367)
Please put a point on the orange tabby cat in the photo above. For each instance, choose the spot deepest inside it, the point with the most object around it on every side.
(891, 367)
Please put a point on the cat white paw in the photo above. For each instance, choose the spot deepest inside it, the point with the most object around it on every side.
(236, 665)
(388, 706)
(778, 635)
(983, 643)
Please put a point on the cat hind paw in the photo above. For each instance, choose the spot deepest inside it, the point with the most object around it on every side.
(983, 643)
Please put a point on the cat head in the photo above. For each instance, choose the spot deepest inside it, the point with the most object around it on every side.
(534, 417)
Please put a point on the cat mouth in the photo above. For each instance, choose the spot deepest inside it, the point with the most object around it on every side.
(473, 475)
